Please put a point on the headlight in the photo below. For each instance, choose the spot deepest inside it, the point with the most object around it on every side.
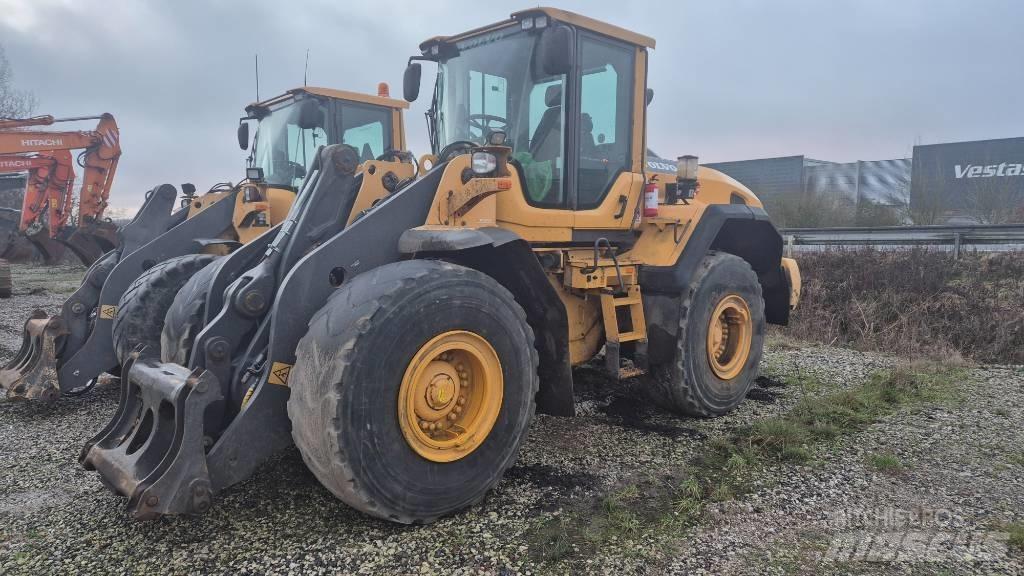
(484, 162)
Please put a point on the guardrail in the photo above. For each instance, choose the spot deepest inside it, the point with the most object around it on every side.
(955, 236)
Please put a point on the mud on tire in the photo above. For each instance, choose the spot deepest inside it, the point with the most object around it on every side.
(349, 370)
(141, 310)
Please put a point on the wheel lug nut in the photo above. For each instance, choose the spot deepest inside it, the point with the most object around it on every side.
(462, 400)
(451, 416)
(424, 424)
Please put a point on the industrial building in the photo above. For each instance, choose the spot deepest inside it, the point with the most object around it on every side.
(884, 182)
(979, 181)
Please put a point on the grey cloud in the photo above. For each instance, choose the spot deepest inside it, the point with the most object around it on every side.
(734, 79)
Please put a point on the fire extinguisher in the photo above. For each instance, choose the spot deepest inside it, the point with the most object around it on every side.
(651, 199)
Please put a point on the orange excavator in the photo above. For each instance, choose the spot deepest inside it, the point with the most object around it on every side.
(46, 206)
(49, 192)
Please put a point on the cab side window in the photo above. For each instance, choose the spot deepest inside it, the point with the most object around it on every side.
(606, 118)
(367, 129)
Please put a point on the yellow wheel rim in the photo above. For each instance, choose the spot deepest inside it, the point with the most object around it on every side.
(450, 396)
(729, 335)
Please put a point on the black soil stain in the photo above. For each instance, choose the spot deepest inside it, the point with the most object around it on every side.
(769, 382)
(630, 412)
(545, 476)
(761, 395)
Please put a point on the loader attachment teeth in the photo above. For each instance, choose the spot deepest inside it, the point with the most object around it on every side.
(32, 373)
(153, 452)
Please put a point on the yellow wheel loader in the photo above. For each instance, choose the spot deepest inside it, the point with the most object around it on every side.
(125, 295)
(406, 353)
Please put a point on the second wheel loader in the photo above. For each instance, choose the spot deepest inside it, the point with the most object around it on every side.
(406, 353)
(124, 295)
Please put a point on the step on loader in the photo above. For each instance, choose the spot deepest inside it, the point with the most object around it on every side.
(406, 353)
(161, 249)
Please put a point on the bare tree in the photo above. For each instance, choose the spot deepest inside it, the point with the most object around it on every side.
(14, 103)
(996, 201)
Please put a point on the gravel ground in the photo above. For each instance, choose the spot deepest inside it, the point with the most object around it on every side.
(960, 480)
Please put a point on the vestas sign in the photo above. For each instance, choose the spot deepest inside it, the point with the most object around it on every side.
(989, 171)
(955, 175)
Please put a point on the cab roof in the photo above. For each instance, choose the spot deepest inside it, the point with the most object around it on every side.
(335, 94)
(556, 15)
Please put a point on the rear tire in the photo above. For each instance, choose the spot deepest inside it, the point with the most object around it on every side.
(352, 371)
(185, 317)
(141, 311)
(703, 380)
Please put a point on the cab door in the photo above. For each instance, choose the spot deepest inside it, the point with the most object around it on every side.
(608, 133)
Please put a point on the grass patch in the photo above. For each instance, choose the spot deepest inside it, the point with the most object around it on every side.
(651, 508)
(885, 462)
(1017, 459)
(1016, 536)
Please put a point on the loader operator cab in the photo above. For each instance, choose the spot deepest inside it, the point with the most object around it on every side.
(293, 126)
(566, 98)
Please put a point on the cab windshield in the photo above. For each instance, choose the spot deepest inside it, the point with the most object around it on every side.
(493, 85)
(283, 149)
(286, 151)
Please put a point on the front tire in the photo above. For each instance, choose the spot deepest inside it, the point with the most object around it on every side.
(141, 310)
(719, 340)
(413, 389)
(185, 316)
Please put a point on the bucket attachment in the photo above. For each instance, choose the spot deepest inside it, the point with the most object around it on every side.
(32, 374)
(154, 450)
(91, 241)
(48, 248)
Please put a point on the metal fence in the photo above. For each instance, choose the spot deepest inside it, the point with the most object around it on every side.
(997, 236)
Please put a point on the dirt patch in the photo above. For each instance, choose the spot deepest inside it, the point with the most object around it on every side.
(769, 382)
(638, 414)
(546, 476)
(761, 395)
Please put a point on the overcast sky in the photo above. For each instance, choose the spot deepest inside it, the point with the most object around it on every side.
(734, 79)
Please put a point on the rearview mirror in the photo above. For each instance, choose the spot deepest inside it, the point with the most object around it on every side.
(243, 135)
(650, 95)
(554, 51)
(411, 81)
(310, 115)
